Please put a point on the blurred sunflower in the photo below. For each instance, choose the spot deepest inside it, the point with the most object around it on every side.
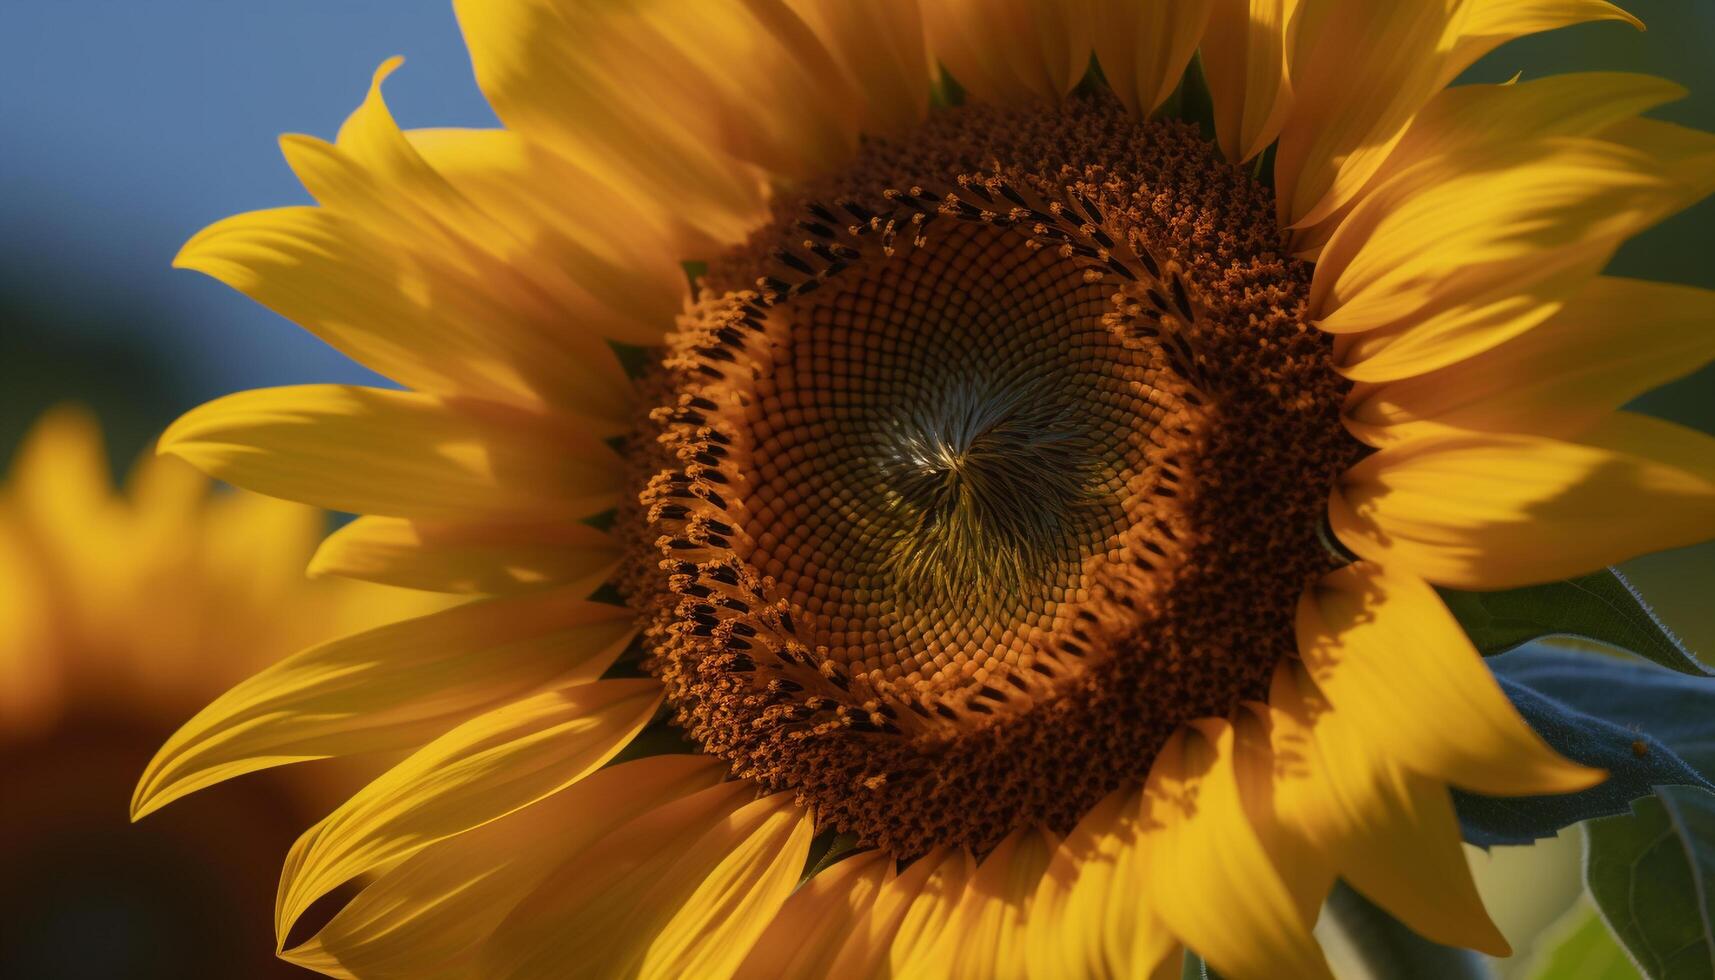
(1019, 503)
(119, 614)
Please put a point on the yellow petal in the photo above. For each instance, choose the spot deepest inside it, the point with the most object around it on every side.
(904, 925)
(495, 558)
(985, 939)
(1612, 341)
(1687, 450)
(1265, 754)
(1011, 51)
(1389, 832)
(1492, 23)
(682, 893)
(1494, 511)
(32, 687)
(495, 763)
(1458, 254)
(58, 518)
(429, 915)
(1473, 119)
(764, 88)
(429, 329)
(1395, 664)
(716, 926)
(61, 477)
(401, 454)
(524, 54)
(1244, 60)
(568, 270)
(881, 46)
(1339, 134)
(1208, 875)
(917, 940)
(1091, 916)
(1144, 46)
(599, 891)
(391, 687)
(807, 933)
(1496, 246)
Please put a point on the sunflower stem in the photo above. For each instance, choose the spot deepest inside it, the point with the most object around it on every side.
(1387, 950)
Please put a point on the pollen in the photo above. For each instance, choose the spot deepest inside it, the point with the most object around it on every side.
(979, 469)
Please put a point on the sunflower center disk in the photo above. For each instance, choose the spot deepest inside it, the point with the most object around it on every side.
(984, 466)
(942, 443)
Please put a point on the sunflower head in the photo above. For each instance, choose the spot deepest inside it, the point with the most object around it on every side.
(1040, 492)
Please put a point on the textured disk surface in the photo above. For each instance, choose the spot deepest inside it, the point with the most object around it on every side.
(985, 465)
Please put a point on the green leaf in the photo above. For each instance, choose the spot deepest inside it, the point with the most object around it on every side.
(1651, 873)
(1601, 606)
(1646, 726)
(1580, 947)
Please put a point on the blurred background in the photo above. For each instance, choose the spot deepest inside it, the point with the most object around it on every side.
(125, 127)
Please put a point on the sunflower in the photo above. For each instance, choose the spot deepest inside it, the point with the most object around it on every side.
(118, 615)
(933, 511)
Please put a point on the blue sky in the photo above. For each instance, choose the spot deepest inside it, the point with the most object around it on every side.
(129, 125)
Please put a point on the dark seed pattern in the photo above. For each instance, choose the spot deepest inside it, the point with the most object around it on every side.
(985, 465)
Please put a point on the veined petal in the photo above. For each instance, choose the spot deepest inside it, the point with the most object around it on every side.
(1338, 134)
(665, 897)
(1454, 256)
(598, 891)
(1244, 60)
(1395, 664)
(489, 766)
(1144, 46)
(1613, 340)
(905, 923)
(428, 916)
(523, 53)
(915, 942)
(613, 271)
(1265, 754)
(765, 88)
(1492, 23)
(882, 48)
(1091, 916)
(1011, 51)
(401, 454)
(1497, 511)
(391, 687)
(1670, 444)
(609, 271)
(716, 925)
(985, 940)
(807, 933)
(334, 277)
(1473, 119)
(494, 557)
(1390, 832)
(1240, 915)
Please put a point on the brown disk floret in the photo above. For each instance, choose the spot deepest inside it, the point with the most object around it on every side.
(986, 464)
